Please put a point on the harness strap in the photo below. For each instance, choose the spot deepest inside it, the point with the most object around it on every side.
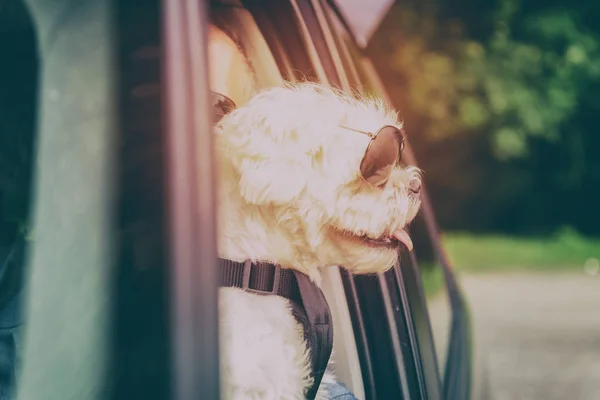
(319, 334)
(309, 305)
(260, 278)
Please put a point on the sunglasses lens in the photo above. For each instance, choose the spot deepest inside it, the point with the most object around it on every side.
(382, 155)
(222, 105)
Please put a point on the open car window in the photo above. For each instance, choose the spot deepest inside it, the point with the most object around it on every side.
(435, 289)
(403, 337)
(273, 53)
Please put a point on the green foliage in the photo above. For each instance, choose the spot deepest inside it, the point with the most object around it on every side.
(524, 80)
(433, 280)
(499, 106)
(565, 250)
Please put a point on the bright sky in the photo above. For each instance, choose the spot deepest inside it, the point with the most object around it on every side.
(364, 16)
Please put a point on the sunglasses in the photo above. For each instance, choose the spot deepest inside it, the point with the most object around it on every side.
(222, 105)
(383, 153)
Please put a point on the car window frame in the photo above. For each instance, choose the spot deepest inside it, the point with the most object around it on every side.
(420, 313)
(192, 177)
(457, 372)
(417, 378)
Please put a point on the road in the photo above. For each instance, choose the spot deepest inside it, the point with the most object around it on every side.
(540, 334)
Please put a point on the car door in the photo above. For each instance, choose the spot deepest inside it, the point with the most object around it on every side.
(127, 291)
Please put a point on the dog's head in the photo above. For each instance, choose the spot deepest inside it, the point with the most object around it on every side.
(295, 156)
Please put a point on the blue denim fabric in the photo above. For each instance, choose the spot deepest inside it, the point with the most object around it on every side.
(10, 320)
(339, 391)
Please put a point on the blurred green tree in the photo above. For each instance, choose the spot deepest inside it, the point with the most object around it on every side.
(496, 98)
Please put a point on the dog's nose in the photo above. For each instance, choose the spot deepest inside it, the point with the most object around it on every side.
(414, 186)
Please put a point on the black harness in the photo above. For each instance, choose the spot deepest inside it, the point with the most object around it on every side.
(309, 305)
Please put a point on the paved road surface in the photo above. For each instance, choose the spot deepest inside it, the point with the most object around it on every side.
(540, 334)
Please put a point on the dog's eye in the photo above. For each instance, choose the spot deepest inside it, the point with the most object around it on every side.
(382, 155)
(222, 105)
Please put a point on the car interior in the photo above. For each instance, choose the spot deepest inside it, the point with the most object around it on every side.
(101, 182)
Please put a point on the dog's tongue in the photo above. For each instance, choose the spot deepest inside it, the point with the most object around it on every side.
(402, 236)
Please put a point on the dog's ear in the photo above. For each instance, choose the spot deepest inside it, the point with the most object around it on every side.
(270, 181)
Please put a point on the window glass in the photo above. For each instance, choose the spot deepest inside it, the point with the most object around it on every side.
(434, 284)
(342, 42)
(435, 288)
(350, 54)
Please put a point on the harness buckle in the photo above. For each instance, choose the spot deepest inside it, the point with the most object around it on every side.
(246, 280)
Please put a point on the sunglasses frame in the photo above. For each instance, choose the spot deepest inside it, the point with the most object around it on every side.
(373, 136)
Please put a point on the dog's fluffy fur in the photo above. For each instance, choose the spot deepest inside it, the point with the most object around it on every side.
(291, 193)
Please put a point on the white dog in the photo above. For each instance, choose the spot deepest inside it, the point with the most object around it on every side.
(297, 188)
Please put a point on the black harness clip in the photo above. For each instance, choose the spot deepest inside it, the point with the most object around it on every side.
(246, 279)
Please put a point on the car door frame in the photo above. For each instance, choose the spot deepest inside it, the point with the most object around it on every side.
(458, 379)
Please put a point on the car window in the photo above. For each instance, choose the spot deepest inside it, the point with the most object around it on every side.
(271, 54)
(434, 285)
(343, 44)
(435, 289)
(350, 54)
(399, 287)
